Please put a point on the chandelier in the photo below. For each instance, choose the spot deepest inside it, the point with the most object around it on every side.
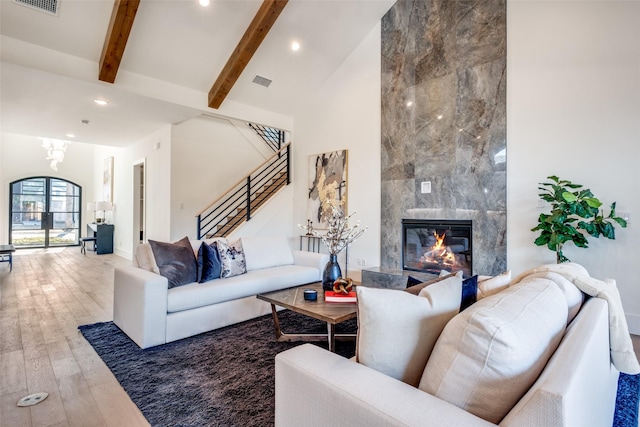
(55, 151)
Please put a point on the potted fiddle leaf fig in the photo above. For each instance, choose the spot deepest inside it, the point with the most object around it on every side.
(575, 214)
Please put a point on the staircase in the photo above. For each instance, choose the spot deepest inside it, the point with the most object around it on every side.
(238, 204)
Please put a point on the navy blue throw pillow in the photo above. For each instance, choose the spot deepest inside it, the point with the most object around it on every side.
(209, 262)
(412, 281)
(469, 292)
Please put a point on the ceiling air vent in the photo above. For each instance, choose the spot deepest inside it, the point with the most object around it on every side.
(48, 6)
(262, 81)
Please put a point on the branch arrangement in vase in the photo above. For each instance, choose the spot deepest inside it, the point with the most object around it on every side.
(340, 234)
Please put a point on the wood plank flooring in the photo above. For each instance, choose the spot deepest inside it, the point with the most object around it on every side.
(42, 302)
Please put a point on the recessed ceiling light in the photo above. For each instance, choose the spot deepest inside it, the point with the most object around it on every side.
(295, 46)
(203, 3)
(70, 135)
(100, 101)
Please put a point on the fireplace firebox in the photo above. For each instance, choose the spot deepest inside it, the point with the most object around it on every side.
(435, 245)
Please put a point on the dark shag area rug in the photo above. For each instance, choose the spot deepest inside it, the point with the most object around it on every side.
(224, 377)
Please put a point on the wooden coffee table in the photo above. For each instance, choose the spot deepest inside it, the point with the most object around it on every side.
(293, 299)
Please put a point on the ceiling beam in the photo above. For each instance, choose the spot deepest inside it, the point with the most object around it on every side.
(248, 45)
(124, 12)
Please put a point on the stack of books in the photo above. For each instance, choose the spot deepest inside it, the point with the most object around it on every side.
(330, 296)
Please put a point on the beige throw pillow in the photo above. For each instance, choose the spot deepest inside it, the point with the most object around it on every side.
(489, 355)
(488, 285)
(397, 330)
(144, 258)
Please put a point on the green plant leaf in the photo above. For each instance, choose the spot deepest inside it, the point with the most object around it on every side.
(569, 197)
(542, 240)
(620, 221)
(609, 231)
(593, 202)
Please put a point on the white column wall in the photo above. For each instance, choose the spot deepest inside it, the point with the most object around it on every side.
(573, 110)
(345, 113)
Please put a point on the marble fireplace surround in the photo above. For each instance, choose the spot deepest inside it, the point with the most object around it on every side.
(444, 122)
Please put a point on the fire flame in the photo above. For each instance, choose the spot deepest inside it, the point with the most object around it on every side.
(440, 253)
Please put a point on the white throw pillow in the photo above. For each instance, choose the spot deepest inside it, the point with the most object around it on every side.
(488, 285)
(265, 252)
(572, 294)
(489, 355)
(144, 258)
(397, 330)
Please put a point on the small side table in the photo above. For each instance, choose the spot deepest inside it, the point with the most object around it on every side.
(6, 254)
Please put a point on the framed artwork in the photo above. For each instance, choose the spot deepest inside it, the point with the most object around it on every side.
(107, 180)
(327, 185)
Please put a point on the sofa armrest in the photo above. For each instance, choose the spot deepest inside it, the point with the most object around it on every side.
(140, 305)
(311, 259)
(315, 387)
(578, 386)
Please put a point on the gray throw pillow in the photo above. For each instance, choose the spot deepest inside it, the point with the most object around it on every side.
(176, 261)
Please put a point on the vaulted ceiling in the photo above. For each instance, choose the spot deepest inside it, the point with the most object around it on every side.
(175, 53)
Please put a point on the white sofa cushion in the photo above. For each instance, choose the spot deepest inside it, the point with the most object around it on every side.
(264, 252)
(489, 355)
(195, 244)
(251, 283)
(397, 330)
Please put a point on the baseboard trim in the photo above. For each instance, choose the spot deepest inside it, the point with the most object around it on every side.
(633, 320)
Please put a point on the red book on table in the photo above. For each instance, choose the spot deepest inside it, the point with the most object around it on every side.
(330, 296)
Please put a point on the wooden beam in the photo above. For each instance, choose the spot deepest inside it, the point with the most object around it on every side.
(124, 12)
(248, 45)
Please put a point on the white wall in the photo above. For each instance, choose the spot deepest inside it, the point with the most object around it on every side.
(23, 156)
(208, 156)
(155, 150)
(345, 113)
(573, 109)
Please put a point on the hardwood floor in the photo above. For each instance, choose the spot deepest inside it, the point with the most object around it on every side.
(42, 302)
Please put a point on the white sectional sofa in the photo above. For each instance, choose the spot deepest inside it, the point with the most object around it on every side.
(573, 384)
(151, 313)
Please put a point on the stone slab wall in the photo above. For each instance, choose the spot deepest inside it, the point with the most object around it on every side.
(444, 122)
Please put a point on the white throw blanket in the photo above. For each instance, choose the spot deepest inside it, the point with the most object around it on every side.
(621, 347)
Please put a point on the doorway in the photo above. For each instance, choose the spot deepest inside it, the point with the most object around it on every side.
(45, 212)
(139, 204)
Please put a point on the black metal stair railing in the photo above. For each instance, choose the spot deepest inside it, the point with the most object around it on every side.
(238, 204)
(273, 137)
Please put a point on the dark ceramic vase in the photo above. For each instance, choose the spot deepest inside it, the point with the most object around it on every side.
(331, 273)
